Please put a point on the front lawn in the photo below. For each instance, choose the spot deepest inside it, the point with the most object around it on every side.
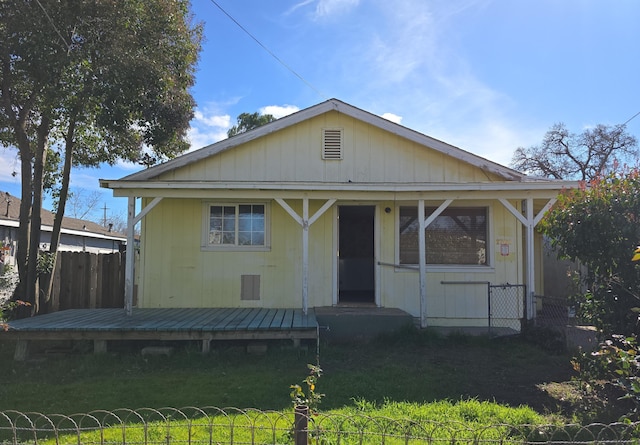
(413, 367)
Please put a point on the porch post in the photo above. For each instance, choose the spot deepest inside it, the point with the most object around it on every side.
(531, 291)
(423, 223)
(129, 257)
(305, 222)
(529, 221)
(422, 264)
(305, 255)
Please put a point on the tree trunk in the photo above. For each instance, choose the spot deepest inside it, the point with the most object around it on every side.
(22, 250)
(62, 201)
(25, 218)
(39, 161)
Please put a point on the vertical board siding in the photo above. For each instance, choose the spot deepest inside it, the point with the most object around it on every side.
(179, 273)
(295, 154)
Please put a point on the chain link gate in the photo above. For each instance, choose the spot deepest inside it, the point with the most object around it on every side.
(506, 306)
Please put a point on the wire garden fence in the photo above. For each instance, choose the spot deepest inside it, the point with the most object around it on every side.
(212, 425)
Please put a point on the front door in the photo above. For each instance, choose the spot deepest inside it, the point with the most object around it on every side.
(356, 253)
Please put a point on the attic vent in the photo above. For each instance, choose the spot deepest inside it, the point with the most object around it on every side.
(332, 143)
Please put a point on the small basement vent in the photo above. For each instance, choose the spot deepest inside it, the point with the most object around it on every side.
(332, 143)
(250, 287)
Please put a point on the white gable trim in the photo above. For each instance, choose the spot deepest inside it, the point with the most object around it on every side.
(324, 107)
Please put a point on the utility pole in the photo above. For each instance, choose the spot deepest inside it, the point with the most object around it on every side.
(104, 215)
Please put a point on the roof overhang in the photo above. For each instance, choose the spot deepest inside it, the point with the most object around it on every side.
(65, 231)
(350, 190)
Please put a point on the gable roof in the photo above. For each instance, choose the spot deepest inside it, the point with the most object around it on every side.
(319, 109)
(10, 217)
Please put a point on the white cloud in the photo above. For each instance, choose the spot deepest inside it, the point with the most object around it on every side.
(279, 111)
(411, 62)
(223, 121)
(326, 8)
(209, 125)
(298, 6)
(9, 164)
(201, 137)
(392, 117)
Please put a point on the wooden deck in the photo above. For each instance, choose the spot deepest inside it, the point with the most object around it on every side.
(202, 324)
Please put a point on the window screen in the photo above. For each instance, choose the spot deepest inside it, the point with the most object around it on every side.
(457, 236)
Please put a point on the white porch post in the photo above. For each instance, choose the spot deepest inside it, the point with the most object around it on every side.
(305, 255)
(132, 221)
(305, 222)
(422, 264)
(129, 257)
(423, 223)
(529, 221)
(531, 285)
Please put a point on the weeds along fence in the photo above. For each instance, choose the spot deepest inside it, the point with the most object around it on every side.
(235, 426)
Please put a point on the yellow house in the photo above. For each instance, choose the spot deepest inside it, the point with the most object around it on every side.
(331, 207)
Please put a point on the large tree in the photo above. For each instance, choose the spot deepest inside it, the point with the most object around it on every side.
(249, 121)
(585, 156)
(94, 82)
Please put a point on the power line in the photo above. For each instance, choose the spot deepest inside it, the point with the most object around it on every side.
(631, 118)
(271, 53)
(54, 26)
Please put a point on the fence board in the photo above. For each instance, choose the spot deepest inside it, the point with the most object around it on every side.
(83, 280)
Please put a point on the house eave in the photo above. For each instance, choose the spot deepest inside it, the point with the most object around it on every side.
(351, 190)
(65, 231)
(338, 186)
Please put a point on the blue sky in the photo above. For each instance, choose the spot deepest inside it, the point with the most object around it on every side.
(487, 76)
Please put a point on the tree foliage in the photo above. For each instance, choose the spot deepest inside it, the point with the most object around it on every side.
(249, 121)
(90, 82)
(584, 156)
(598, 225)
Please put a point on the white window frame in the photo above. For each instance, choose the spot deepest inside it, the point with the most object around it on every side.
(206, 212)
(487, 267)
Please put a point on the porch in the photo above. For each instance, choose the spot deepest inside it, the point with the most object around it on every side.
(199, 324)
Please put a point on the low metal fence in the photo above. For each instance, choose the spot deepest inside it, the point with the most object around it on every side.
(249, 426)
(506, 306)
(557, 315)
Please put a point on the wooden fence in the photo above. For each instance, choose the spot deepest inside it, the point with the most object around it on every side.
(83, 280)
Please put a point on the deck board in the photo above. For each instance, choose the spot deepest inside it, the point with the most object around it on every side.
(277, 320)
(163, 323)
(257, 319)
(268, 318)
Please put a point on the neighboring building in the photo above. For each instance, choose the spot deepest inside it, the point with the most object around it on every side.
(328, 207)
(76, 234)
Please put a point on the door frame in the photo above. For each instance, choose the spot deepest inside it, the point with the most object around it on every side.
(336, 246)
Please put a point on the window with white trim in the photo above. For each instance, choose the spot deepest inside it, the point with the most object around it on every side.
(458, 236)
(236, 225)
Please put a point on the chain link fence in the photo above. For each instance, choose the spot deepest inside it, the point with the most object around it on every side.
(557, 315)
(236, 426)
(506, 307)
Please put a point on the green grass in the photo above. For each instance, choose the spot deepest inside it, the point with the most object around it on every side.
(409, 375)
(409, 367)
(392, 420)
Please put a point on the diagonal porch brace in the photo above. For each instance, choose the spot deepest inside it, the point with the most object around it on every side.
(305, 222)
